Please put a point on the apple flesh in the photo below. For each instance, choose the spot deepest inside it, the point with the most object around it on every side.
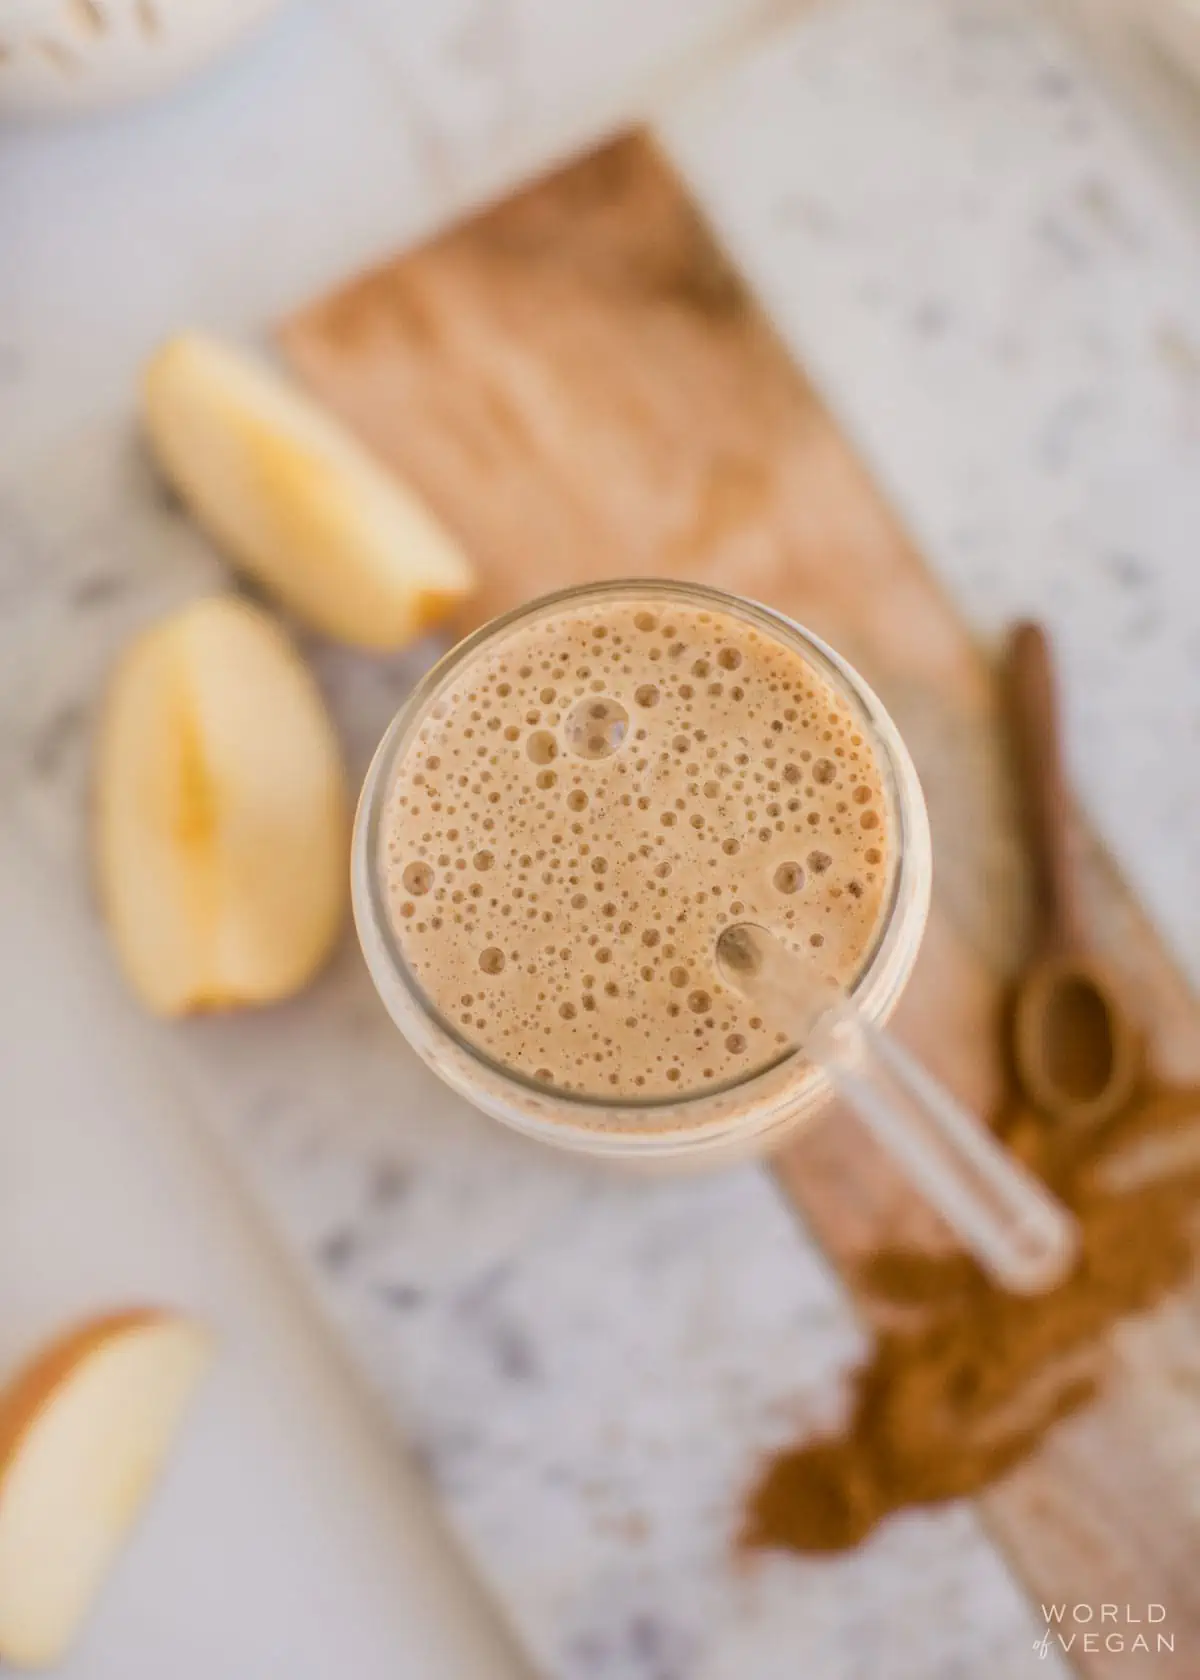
(296, 501)
(84, 1431)
(222, 816)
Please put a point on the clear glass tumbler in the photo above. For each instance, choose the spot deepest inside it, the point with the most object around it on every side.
(749, 1116)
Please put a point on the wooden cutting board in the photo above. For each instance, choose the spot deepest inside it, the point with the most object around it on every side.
(583, 388)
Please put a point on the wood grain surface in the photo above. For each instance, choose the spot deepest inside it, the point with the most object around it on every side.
(583, 388)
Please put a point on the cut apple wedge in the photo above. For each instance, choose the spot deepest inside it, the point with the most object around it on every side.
(84, 1430)
(295, 501)
(222, 817)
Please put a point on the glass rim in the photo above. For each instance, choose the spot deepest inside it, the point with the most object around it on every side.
(367, 875)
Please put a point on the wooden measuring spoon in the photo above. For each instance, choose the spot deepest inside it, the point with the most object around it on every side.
(1077, 1053)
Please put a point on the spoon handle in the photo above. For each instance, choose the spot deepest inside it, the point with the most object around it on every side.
(1035, 720)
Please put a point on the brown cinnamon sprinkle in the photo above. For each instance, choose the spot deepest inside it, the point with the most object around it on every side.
(966, 1380)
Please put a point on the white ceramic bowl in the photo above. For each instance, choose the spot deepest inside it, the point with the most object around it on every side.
(76, 55)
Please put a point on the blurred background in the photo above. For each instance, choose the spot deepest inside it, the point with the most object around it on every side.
(472, 1410)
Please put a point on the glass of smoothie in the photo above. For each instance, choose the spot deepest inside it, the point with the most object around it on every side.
(567, 813)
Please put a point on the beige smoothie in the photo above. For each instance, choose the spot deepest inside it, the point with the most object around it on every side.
(595, 798)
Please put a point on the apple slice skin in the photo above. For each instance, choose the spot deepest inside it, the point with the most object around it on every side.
(221, 813)
(26, 1405)
(21, 1400)
(294, 500)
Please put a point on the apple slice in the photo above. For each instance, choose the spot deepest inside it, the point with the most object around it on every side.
(295, 501)
(222, 818)
(84, 1430)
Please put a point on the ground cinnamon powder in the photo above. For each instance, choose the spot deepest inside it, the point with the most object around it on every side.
(965, 1379)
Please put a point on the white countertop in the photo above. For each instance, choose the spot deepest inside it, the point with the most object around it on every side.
(290, 1535)
(1000, 297)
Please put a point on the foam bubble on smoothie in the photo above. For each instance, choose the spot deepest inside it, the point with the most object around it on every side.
(589, 801)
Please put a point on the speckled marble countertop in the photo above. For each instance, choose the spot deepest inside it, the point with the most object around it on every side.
(1001, 298)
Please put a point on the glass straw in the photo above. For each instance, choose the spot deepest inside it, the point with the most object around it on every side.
(1025, 1239)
